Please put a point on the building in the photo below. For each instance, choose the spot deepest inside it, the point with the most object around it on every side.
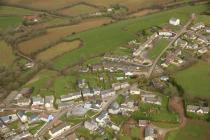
(143, 123)
(174, 21)
(102, 118)
(33, 118)
(23, 102)
(71, 96)
(181, 43)
(9, 118)
(203, 50)
(78, 111)
(82, 83)
(87, 92)
(124, 85)
(26, 91)
(208, 30)
(22, 116)
(31, 18)
(107, 93)
(49, 101)
(128, 107)
(37, 101)
(198, 26)
(197, 109)
(151, 99)
(149, 133)
(116, 86)
(91, 125)
(114, 108)
(165, 34)
(135, 91)
(58, 130)
(62, 105)
(96, 91)
(21, 136)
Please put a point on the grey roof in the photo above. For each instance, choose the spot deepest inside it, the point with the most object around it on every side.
(38, 99)
(102, 115)
(115, 105)
(59, 127)
(26, 90)
(49, 99)
(20, 113)
(149, 131)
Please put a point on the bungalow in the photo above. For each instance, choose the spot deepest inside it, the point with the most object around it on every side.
(23, 102)
(58, 130)
(87, 92)
(149, 133)
(114, 108)
(174, 21)
(49, 100)
(102, 118)
(22, 116)
(135, 91)
(91, 125)
(197, 109)
(198, 26)
(71, 96)
(9, 118)
(107, 93)
(37, 101)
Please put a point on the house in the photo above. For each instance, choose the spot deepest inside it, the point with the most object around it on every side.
(78, 110)
(191, 35)
(149, 133)
(49, 101)
(197, 109)
(192, 47)
(165, 33)
(97, 67)
(23, 102)
(33, 118)
(3, 128)
(91, 125)
(174, 21)
(26, 91)
(128, 107)
(135, 91)
(102, 118)
(84, 69)
(9, 118)
(94, 105)
(71, 96)
(164, 78)
(62, 105)
(198, 26)
(96, 91)
(124, 85)
(116, 86)
(21, 136)
(87, 92)
(22, 116)
(58, 130)
(37, 101)
(203, 39)
(203, 50)
(143, 123)
(115, 127)
(31, 18)
(29, 65)
(151, 99)
(44, 117)
(114, 108)
(107, 93)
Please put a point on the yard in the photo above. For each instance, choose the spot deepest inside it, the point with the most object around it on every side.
(195, 80)
(79, 9)
(106, 38)
(6, 54)
(58, 50)
(194, 130)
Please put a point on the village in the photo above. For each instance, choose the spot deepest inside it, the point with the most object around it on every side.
(93, 108)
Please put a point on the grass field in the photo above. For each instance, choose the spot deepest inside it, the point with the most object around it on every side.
(158, 47)
(54, 34)
(6, 10)
(9, 22)
(106, 38)
(80, 9)
(6, 54)
(194, 130)
(195, 80)
(58, 50)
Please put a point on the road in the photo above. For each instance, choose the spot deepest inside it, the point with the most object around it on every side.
(183, 30)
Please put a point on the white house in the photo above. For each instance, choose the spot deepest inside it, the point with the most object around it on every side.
(135, 91)
(91, 125)
(49, 100)
(96, 91)
(87, 92)
(102, 118)
(22, 116)
(37, 101)
(71, 96)
(174, 21)
(165, 33)
(58, 130)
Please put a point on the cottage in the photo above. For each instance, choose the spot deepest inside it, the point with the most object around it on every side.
(37, 101)
(149, 133)
(22, 116)
(107, 93)
(198, 26)
(71, 96)
(9, 118)
(174, 21)
(33, 118)
(91, 125)
(58, 130)
(49, 101)
(114, 108)
(102, 118)
(23, 102)
(197, 109)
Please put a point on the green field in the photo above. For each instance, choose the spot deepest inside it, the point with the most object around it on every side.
(106, 38)
(6, 10)
(194, 130)
(9, 22)
(158, 47)
(6, 54)
(195, 80)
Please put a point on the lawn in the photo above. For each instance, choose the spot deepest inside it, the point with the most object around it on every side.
(194, 130)
(33, 128)
(9, 22)
(55, 34)
(195, 80)
(104, 39)
(79, 9)
(158, 47)
(6, 54)
(58, 50)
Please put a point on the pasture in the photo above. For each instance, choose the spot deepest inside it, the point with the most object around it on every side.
(6, 54)
(195, 80)
(104, 39)
(194, 130)
(58, 50)
(7, 11)
(79, 9)
(54, 34)
(9, 22)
